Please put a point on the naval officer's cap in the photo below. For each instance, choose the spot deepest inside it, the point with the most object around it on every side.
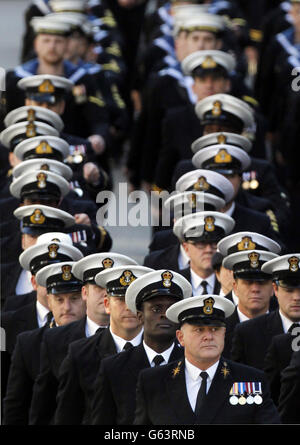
(285, 270)
(203, 227)
(224, 109)
(241, 241)
(221, 138)
(200, 63)
(117, 279)
(51, 147)
(154, 284)
(90, 266)
(37, 219)
(34, 113)
(58, 278)
(16, 133)
(45, 87)
(206, 310)
(50, 248)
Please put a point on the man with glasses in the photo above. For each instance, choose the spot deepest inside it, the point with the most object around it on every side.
(199, 234)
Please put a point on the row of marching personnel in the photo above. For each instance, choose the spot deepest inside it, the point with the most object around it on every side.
(215, 308)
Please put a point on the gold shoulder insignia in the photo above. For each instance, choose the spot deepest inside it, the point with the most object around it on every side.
(225, 370)
(176, 370)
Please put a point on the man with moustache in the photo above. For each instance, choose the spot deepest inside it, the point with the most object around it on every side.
(81, 365)
(149, 297)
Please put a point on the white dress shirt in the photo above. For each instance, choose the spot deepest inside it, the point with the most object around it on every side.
(193, 380)
(183, 259)
(286, 322)
(244, 317)
(42, 313)
(235, 298)
(120, 342)
(91, 327)
(24, 285)
(241, 316)
(151, 354)
(196, 283)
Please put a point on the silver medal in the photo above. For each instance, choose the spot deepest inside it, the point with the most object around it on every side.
(233, 400)
(258, 399)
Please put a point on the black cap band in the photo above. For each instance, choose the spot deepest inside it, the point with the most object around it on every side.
(155, 289)
(43, 260)
(89, 275)
(224, 118)
(199, 317)
(207, 237)
(50, 190)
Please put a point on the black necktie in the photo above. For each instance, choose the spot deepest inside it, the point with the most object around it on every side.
(127, 346)
(49, 319)
(204, 285)
(201, 393)
(294, 325)
(158, 359)
(99, 330)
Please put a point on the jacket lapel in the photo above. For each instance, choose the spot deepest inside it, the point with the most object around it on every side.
(217, 287)
(177, 353)
(274, 324)
(176, 389)
(105, 344)
(138, 360)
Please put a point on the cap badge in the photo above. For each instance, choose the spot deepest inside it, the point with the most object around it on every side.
(201, 184)
(254, 257)
(41, 180)
(176, 370)
(246, 244)
(53, 248)
(208, 306)
(222, 139)
(37, 217)
(223, 157)
(192, 200)
(46, 87)
(30, 114)
(217, 108)
(208, 62)
(167, 277)
(66, 272)
(209, 223)
(127, 278)
(31, 130)
(44, 167)
(107, 263)
(43, 148)
(294, 264)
